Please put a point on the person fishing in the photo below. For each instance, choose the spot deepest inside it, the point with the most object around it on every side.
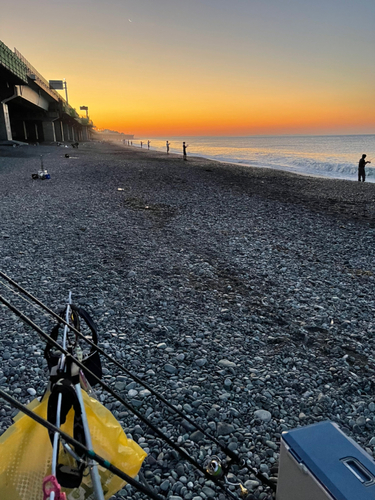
(361, 168)
(184, 146)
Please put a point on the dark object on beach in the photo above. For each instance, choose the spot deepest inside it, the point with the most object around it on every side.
(75, 145)
(184, 146)
(42, 175)
(361, 168)
(167, 143)
(148, 144)
(141, 144)
(66, 155)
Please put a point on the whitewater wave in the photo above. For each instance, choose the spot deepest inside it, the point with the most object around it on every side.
(327, 156)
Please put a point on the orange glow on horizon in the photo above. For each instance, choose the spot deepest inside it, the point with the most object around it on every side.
(235, 122)
(266, 110)
(207, 68)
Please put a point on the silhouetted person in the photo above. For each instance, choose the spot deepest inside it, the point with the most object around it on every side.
(184, 146)
(148, 144)
(167, 143)
(361, 168)
(131, 143)
(141, 144)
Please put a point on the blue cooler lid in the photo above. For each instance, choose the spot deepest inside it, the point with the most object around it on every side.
(337, 462)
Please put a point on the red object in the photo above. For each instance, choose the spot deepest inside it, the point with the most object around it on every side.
(50, 485)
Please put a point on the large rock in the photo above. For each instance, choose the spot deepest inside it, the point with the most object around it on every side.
(263, 415)
(226, 363)
(197, 436)
(201, 362)
(223, 429)
(170, 369)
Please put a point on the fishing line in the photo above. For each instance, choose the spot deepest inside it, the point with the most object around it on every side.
(34, 306)
(173, 445)
(228, 451)
(90, 454)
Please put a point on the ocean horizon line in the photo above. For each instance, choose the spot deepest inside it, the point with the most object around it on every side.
(250, 136)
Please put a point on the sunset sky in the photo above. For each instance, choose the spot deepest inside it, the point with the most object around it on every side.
(206, 67)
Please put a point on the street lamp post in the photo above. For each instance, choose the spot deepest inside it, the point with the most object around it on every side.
(66, 91)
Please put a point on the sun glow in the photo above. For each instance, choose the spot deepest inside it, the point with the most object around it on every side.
(206, 68)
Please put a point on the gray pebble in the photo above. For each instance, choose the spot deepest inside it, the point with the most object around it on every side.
(223, 429)
(263, 415)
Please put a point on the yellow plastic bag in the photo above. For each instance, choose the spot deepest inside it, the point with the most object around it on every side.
(26, 453)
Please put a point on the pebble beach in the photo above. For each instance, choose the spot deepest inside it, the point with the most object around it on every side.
(244, 295)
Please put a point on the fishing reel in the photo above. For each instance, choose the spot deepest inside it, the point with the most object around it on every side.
(213, 466)
(218, 468)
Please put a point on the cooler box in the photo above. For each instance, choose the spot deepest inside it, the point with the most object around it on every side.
(319, 462)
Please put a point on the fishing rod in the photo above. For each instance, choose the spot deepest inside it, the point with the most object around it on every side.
(95, 478)
(232, 455)
(155, 429)
(87, 452)
(56, 442)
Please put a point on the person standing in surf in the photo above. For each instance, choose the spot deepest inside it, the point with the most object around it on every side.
(361, 168)
(184, 146)
(167, 144)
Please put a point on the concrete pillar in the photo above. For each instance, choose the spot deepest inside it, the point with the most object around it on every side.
(49, 132)
(24, 130)
(62, 131)
(5, 130)
(66, 131)
(58, 131)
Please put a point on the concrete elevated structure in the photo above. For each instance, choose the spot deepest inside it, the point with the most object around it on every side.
(29, 110)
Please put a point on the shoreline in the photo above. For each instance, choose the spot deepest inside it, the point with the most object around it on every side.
(343, 197)
(230, 289)
(301, 160)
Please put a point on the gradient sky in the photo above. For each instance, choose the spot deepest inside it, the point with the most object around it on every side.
(206, 67)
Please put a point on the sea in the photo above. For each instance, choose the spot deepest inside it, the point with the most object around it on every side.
(333, 156)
